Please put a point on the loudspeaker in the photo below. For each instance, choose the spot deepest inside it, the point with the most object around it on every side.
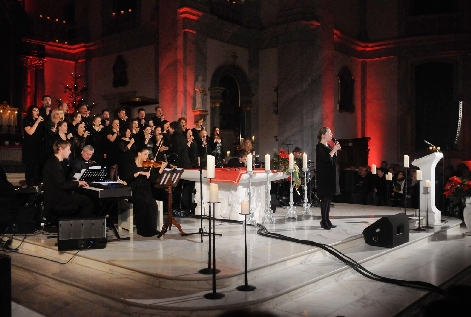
(79, 234)
(388, 232)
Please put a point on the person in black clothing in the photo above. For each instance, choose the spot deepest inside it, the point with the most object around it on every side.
(34, 147)
(58, 191)
(97, 139)
(192, 149)
(361, 184)
(144, 205)
(215, 147)
(127, 150)
(112, 149)
(377, 196)
(326, 176)
(179, 146)
(203, 149)
(83, 161)
(141, 118)
(239, 161)
(158, 118)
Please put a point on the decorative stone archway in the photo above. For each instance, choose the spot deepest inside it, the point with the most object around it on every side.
(245, 99)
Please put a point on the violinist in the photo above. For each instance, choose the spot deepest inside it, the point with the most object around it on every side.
(140, 178)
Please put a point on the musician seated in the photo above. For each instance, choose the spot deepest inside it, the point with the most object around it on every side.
(57, 190)
(240, 161)
(83, 161)
(140, 179)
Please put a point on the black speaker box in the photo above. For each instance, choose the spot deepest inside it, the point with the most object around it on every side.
(79, 234)
(388, 232)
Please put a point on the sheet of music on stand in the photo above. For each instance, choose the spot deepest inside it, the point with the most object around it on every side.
(93, 174)
(168, 177)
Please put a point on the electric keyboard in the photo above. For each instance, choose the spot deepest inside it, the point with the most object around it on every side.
(106, 190)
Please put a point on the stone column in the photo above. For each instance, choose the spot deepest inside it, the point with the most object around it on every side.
(39, 84)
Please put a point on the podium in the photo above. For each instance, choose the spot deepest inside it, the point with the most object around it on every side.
(427, 165)
(168, 180)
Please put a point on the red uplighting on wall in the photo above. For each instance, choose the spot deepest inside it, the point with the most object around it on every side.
(190, 13)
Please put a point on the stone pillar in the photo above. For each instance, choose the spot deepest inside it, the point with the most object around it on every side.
(39, 84)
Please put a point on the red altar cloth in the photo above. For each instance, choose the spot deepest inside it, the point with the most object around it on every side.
(232, 175)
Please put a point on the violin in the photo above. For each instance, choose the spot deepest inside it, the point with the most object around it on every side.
(155, 164)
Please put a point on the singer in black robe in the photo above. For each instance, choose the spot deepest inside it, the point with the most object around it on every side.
(326, 173)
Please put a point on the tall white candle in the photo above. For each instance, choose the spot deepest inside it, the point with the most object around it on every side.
(249, 162)
(291, 161)
(210, 166)
(304, 161)
(228, 153)
(418, 175)
(373, 168)
(267, 162)
(427, 183)
(389, 176)
(406, 161)
(213, 193)
(244, 207)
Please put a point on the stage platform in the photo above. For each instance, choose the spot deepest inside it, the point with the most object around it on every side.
(159, 277)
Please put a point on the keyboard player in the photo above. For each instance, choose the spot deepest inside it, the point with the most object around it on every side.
(58, 191)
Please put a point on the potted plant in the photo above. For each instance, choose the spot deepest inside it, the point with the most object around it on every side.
(458, 192)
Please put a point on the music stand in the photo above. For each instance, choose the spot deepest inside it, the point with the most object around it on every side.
(168, 180)
(93, 175)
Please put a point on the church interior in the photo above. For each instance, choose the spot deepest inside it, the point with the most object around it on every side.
(390, 78)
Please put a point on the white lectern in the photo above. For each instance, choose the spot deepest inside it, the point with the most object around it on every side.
(427, 166)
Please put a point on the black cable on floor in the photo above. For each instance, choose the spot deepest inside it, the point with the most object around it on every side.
(352, 263)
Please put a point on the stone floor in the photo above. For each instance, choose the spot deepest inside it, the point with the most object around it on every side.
(159, 277)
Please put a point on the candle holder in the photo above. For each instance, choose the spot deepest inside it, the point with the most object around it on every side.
(419, 228)
(268, 217)
(405, 192)
(426, 192)
(213, 294)
(291, 209)
(246, 287)
(251, 219)
(209, 269)
(306, 206)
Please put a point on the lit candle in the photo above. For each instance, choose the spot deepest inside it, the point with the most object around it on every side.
(427, 183)
(213, 193)
(228, 153)
(406, 160)
(373, 168)
(244, 207)
(249, 162)
(210, 166)
(253, 138)
(267, 162)
(291, 161)
(418, 175)
(304, 161)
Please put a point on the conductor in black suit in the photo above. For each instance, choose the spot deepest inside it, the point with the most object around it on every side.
(57, 190)
(326, 173)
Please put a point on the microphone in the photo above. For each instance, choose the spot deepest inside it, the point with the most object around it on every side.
(335, 141)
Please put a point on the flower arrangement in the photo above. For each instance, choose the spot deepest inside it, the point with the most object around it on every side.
(280, 162)
(456, 190)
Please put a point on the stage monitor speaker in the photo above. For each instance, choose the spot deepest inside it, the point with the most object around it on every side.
(79, 234)
(388, 232)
